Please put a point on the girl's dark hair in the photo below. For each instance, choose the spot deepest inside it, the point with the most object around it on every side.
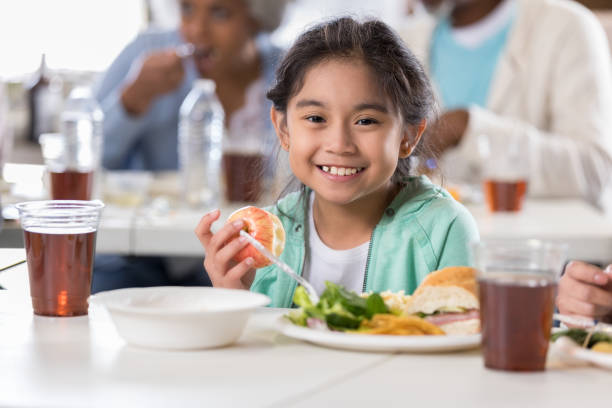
(395, 67)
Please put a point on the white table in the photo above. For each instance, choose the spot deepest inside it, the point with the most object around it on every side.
(143, 231)
(81, 361)
(587, 232)
(139, 231)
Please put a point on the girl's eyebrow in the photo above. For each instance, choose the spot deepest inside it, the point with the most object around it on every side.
(362, 106)
(309, 102)
(373, 106)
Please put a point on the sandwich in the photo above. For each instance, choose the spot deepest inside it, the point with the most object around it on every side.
(448, 298)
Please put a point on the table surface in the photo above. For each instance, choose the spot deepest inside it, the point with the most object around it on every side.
(81, 361)
(153, 229)
(586, 231)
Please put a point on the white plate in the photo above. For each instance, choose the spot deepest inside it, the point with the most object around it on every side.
(568, 348)
(384, 343)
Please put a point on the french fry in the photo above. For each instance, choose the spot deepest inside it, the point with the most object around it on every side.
(602, 347)
(399, 325)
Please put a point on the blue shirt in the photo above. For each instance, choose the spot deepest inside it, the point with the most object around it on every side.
(463, 75)
(149, 141)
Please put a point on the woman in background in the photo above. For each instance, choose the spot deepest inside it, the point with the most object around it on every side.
(143, 89)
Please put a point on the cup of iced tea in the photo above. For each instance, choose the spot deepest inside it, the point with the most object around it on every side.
(517, 285)
(243, 175)
(71, 164)
(244, 164)
(60, 241)
(505, 171)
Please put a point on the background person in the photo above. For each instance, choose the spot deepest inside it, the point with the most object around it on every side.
(536, 70)
(143, 89)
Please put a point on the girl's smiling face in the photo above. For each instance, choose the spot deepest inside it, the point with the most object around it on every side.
(343, 136)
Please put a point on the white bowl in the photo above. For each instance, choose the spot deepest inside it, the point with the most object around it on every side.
(173, 317)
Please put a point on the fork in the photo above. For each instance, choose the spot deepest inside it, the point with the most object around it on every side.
(312, 294)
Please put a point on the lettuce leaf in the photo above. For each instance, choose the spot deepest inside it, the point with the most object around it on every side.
(339, 308)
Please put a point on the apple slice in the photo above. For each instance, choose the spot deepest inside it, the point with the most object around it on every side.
(266, 228)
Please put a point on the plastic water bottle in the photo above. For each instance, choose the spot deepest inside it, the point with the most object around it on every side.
(201, 128)
(81, 123)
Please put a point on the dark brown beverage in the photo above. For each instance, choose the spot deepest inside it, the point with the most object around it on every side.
(243, 173)
(60, 268)
(71, 185)
(505, 195)
(516, 317)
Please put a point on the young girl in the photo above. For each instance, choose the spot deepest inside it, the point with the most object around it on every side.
(350, 106)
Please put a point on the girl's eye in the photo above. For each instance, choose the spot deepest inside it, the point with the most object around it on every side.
(315, 119)
(367, 121)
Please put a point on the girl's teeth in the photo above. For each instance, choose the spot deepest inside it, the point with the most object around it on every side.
(340, 171)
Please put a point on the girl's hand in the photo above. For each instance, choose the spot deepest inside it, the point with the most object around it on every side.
(586, 290)
(220, 248)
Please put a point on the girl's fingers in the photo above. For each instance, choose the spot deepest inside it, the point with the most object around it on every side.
(215, 272)
(236, 273)
(225, 234)
(229, 250)
(233, 277)
(202, 230)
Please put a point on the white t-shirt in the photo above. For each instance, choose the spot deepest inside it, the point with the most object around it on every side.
(345, 267)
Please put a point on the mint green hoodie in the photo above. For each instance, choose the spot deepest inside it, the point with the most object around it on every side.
(424, 229)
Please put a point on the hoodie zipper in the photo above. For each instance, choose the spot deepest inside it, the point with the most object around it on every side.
(367, 267)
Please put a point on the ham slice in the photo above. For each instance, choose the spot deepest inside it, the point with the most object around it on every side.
(446, 318)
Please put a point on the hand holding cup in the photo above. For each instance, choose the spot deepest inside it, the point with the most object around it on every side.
(586, 290)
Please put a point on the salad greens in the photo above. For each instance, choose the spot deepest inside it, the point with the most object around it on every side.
(579, 335)
(339, 308)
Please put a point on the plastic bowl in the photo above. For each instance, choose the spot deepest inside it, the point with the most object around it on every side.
(169, 317)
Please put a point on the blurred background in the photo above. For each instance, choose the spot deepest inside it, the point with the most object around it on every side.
(80, 39)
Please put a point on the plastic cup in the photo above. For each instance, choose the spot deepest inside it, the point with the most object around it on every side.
(243, 176)
(60, 240)
(505, 172)
(246, 162)
(71, 163)
(517, 285)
